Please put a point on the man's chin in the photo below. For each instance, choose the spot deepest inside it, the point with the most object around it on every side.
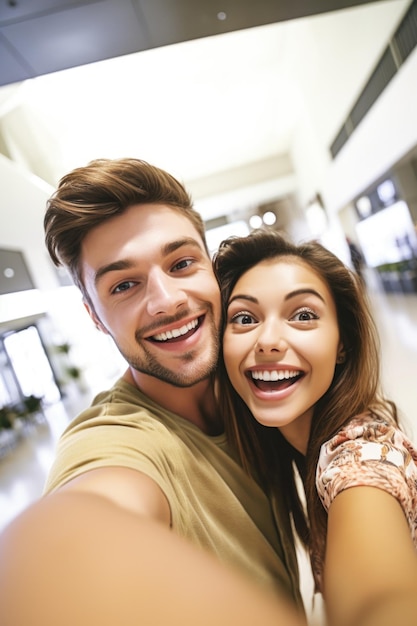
(181, 379)
(184, 372)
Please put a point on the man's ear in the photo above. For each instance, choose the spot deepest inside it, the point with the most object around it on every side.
(94, 317)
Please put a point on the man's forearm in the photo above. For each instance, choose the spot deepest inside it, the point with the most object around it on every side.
(78, 559)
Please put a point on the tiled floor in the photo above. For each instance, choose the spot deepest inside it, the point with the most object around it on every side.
(22, 472)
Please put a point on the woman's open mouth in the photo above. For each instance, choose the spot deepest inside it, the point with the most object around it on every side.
(274, 380)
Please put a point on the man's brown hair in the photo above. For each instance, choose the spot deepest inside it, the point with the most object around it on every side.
(90, 195)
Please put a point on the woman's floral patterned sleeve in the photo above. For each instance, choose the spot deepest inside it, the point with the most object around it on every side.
(370, 451)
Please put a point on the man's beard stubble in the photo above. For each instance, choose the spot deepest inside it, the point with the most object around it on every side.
(150, 365)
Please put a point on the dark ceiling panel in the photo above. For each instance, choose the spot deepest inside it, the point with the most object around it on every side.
(13, 68)
(181, 20)
(76, 36)
(13, 10)
(42, 36)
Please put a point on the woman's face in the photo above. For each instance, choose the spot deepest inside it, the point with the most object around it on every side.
(281, 343)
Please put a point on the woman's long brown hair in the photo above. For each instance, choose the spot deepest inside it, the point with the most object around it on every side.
(355, 388)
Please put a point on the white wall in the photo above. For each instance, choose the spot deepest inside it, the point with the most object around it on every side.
(23, 200)
(388, 132)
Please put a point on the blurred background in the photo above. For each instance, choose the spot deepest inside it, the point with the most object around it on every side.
(297, 115)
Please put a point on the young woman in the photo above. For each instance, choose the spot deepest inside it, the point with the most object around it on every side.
(301, 352)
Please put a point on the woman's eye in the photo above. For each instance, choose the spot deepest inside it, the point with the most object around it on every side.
(125, 286)
(243, 319)
(305, 315)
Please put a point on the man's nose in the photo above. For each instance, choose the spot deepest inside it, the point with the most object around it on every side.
(163, 293)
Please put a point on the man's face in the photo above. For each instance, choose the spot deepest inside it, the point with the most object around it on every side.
(152, 288)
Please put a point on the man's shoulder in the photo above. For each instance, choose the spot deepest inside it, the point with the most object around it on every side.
(124, 399)
(114, 412)
(120, 428)
(119, 392)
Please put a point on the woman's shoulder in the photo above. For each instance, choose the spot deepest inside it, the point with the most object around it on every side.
(369, 450)
(367, 428)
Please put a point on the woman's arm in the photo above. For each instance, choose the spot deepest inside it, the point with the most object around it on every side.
(370, 572)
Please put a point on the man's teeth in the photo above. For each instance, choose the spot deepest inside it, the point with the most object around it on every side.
(176, 332)
(272, 375)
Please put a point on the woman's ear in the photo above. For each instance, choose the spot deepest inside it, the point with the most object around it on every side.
(341, 354)
(93, 315)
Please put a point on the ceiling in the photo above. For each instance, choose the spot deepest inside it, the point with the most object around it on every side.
(199, 87)
(42, 36)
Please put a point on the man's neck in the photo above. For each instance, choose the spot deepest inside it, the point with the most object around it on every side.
(197, 403)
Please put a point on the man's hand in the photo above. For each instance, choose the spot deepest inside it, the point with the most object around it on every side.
(77, 558)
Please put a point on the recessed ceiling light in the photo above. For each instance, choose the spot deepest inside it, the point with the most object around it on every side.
(255, 221)
(364, 206)
(269, 218)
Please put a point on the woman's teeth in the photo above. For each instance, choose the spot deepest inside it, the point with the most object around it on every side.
(273, 375)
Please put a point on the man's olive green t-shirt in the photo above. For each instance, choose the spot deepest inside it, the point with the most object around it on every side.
(213, 502)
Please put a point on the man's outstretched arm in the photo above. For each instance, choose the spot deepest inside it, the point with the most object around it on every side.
(78, 558)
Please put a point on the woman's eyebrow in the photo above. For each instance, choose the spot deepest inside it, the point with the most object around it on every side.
(242, 296)
(291, 294)
(305, 290)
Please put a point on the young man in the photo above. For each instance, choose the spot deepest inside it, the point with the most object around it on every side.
(147, 466)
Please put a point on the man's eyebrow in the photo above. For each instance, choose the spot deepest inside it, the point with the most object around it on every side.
(288, 296)
(111, 267)
(173, 246)
(125, 264)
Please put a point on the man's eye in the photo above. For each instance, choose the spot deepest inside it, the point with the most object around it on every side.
(243, 319)
(182, 264)
(125, 286)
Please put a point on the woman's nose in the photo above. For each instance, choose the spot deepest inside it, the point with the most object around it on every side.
(271, 339)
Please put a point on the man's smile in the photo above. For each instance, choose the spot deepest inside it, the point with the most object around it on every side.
(179, 333)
